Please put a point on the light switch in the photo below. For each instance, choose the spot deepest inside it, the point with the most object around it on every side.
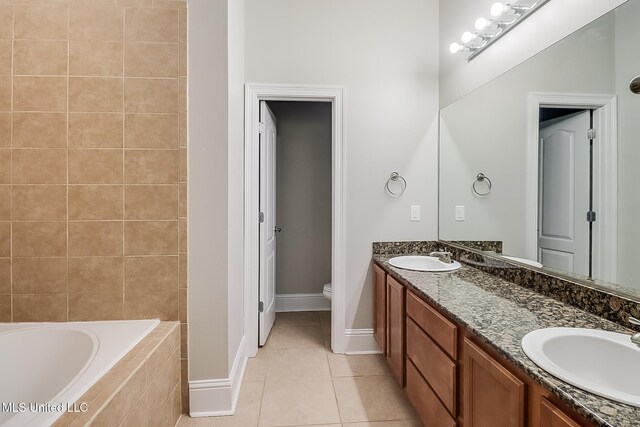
(415, 213)
(459, 213)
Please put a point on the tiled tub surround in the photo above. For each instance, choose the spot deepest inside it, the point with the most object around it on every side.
(93, 161)
(143, 389)
(500, 314)
(561, 287)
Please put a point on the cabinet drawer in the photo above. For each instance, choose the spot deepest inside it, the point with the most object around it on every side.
(434, 365)
(425, 401)
(443, 332)
(552, 416)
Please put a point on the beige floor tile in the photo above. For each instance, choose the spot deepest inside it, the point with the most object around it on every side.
(327, 342)
(357, 365)
(298, 402)
(376, 398)
(298, 318)
(404, 423)
(325, 322)
(256, 369)
(295, 337)
(246, 415)
(298, 364)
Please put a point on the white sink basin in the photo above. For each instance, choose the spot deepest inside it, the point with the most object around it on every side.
(601, 362)
(423, 263)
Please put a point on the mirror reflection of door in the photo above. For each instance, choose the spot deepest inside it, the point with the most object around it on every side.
(565, 190)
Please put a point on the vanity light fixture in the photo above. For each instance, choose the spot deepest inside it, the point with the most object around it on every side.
(505, 16)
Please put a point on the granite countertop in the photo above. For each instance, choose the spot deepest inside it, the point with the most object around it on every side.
(501, 313)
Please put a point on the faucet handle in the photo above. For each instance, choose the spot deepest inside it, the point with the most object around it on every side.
(634, 321)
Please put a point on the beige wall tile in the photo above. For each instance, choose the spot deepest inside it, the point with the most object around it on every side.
(95, 238)
(95, 94)
(151, 95)
(182, 59)
(151, 273)
(182, 177)
(182, 231)
(6, 22)
(5, 130)
(95, 58)
(5, 57)
(5, 93)
(182, 200)
(95, 130)
(5, 276)
(95, 166)
(41, 22)
(95, 306)
(170, 4)
(5, 203)
(46, 166)
(126, 398)
(182, 25)
(151, 131)
(40, 308)
(40, 130)
(40, 57)
(95, 202)
(5, 239)
(150, 305)
(96, 274)
(182, 95)
(39, 239)
(151, 166)
(182, 311)
(39, 202)
(39, 94)
(151, 25)
(183, 129)
(152, 202)
(5, 308)
(5, 166)
(182, 266)
(96, 23)
(135, 3)
(151, 60)
(151, 237)
(39, 275)
(138, 416)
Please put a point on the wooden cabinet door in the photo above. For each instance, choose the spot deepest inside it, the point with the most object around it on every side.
(380, 307)
(552, 416)
(395, 328)
(493, 396)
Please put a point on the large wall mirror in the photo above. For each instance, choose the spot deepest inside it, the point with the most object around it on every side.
(558, 140)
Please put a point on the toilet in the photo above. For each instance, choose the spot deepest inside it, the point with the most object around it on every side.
(326, 291)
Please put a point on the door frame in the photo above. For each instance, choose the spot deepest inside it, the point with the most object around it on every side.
(254, 93)
(605, 237)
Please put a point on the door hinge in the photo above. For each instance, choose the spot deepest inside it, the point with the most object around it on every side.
(592, 134)
(591, 216)
(260, 307)
(261, 217)
(261, 127)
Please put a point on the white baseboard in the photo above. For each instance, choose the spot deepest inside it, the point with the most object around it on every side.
(302, 302)
(360, 341)
(218, 397)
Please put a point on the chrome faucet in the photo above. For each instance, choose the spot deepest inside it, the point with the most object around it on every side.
(443, 256)
(635, 338)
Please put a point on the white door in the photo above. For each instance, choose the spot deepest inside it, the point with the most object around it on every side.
(268, 225)
(563, 230)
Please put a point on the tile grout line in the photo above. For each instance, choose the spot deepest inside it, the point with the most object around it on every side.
(67, 152)
(124, 129)
(11, 305)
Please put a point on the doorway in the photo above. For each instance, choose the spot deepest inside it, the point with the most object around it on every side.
(572, 183)
(256, 250)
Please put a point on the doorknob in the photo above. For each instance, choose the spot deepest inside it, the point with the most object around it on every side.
(277, 229)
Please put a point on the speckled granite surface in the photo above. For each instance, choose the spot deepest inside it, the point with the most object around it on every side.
(500, 313)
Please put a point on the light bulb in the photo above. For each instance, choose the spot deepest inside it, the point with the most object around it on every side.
(455, 47)
(498, 9)
(467, 36)
(482, 23)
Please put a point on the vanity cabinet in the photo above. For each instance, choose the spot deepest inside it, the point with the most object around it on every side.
(380, 307)
(395, 328)
(552, 416)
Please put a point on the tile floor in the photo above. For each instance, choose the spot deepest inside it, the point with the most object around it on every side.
(295, 380)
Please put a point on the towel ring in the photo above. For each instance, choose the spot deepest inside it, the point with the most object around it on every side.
(481, 178)
(395, 176)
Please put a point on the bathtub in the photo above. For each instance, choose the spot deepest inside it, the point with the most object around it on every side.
(46, 367)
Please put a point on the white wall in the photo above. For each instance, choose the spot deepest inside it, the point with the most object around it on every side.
(385, 55)
(303, 206)
(551, 23)
(487, 132)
